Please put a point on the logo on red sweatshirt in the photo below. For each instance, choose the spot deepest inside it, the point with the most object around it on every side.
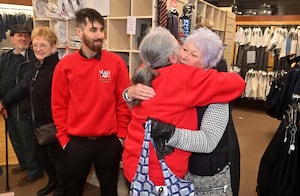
(105, 75)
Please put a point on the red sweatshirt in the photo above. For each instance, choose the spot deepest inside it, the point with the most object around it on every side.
(179, 88)
(87, 96)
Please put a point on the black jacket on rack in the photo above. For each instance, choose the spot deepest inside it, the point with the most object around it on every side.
(278, 173)
(281, 93)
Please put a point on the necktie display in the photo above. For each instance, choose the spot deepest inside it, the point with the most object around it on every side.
(162, 13)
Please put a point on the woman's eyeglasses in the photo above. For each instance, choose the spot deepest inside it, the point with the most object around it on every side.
(41, 46)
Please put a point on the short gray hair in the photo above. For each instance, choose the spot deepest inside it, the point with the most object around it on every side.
(209, 44)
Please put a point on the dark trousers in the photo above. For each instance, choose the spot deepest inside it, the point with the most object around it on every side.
(21, 136)
(104, 153)
(52, 159)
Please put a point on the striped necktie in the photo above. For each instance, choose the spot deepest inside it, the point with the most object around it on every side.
(162, 13)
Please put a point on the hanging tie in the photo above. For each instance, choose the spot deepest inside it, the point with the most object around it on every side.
(162, 13)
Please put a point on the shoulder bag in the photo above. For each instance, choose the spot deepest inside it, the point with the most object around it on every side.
(142, 185)
(46, 134)
(218, 184)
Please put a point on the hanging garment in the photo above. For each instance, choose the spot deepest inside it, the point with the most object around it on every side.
(278, 173)
(162, 13)
(281, 93)
(172, 23)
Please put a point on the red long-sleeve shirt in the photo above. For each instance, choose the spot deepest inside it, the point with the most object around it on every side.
(179, 88)
(87, 96)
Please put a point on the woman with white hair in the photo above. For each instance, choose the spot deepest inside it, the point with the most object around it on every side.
(215, 144)
(178, 90)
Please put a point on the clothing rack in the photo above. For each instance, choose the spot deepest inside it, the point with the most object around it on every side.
(271, 61)
(266, 21)
(10, 8)
(13, 14)
(279, 164)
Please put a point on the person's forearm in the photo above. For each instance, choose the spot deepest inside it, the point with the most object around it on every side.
(205, 140)
(138, 91)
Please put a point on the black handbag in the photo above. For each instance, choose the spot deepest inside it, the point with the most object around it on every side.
(46, 134)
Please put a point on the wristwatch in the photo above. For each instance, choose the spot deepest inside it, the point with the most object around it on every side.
(125, 96)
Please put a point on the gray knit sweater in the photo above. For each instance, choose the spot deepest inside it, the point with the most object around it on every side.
(205, 140)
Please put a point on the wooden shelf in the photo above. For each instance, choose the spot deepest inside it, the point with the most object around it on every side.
(219, 20)
(117, 39)
(145, 13)
(210, 16)
(268, 20)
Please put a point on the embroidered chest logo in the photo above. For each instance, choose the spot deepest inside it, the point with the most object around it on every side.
(105, 75)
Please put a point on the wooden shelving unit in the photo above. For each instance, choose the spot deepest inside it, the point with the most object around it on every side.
(219, 20)
(117, 38)
(268, 20)
(208, 15)
(229, 37)
(144, 13)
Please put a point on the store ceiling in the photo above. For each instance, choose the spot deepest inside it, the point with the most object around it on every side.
(279, 7)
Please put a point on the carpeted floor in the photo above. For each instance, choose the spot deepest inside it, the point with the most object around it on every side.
(255, 129)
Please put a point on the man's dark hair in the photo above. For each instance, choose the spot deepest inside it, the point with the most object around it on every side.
(87, 13)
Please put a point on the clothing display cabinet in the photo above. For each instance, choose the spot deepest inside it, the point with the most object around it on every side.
(126, 22)
(209, 16)
(219, 20)
(126, 25)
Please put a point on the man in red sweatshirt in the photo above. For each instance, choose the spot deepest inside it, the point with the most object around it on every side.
(88, 109)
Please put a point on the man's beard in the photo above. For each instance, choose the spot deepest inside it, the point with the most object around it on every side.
(90, 44)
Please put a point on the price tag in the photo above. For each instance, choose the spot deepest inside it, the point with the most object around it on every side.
(292, 147)
(131, 25)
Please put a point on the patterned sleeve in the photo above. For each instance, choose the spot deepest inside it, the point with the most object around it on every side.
(205, 140)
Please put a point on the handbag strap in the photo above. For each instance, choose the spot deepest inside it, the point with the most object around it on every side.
(175, 185)
(142, 185)
(33, 81)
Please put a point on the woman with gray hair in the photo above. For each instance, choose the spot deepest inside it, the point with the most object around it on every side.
(179, 89)
(206, 46)
(216, 146)
(210, 144)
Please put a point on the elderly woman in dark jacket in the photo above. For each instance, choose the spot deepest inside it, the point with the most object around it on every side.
(51, 156)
